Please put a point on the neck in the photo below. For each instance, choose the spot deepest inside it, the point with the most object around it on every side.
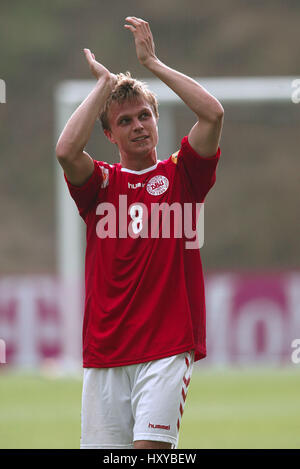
(138, 162)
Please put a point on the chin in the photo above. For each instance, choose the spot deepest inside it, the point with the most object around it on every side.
(146, 148)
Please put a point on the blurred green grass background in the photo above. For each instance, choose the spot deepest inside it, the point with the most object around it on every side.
(224, 409)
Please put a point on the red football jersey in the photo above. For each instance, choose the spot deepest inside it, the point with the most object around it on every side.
(144, 289)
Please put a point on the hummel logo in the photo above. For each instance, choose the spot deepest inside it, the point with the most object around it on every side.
(163, 427)
(136, 186)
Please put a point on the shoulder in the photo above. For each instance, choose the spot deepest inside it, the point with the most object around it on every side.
(109, 166)
(105, 168)
(169, 162)
(184, 148)
(106, 171)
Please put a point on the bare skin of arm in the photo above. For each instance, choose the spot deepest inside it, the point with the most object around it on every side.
(77, 163)
(205, 135)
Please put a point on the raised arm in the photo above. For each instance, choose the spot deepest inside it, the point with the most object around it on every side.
(76, 163)
(205, 135)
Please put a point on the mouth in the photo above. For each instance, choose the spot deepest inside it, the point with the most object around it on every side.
(140, 139)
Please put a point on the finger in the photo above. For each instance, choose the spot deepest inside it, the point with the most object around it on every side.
(137, 25)
(148, 27)
(133, 20)
(131, 28)
(139, 21)
(88, 55)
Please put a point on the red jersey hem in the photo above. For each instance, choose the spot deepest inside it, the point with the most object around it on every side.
(199, 354)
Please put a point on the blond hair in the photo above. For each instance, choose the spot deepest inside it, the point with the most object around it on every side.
(127, 88)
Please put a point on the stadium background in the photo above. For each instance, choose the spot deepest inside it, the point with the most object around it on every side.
(245, 393)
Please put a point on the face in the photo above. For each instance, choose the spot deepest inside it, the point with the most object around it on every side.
(133, 128)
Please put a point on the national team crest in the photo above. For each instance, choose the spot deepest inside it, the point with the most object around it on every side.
(157, 185)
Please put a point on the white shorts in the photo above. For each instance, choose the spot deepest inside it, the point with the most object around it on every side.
(137, 402)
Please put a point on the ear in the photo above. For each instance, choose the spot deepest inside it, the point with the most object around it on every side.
(108, 134)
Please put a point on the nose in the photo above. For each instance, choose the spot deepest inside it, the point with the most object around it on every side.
(137, 125)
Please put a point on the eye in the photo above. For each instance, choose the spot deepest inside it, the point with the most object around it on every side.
(144, 115)
(124, 121)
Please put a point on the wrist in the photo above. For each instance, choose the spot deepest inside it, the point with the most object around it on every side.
(106, 82)
(104, 79)
(151, 62)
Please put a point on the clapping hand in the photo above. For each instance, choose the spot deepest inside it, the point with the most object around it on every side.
(145, 49)
(97, 69)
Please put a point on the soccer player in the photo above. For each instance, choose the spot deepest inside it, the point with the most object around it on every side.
(144, 321)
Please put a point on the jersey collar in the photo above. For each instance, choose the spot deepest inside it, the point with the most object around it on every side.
(143, 171)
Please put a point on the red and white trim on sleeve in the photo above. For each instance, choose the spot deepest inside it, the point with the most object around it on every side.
(189, 360)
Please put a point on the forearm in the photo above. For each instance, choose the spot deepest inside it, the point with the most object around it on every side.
(79, 127)
(200, 101)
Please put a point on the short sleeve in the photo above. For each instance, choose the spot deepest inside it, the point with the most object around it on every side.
(199, 171)
(86, 195)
